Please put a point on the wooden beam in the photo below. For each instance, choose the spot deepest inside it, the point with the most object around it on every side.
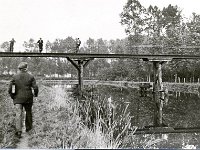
(166, 47)
(157, 87)
(87, 62)
(82, 63)
(156, 59)
(167, 130)
(88, 56)
(73, 63)
(80, 75)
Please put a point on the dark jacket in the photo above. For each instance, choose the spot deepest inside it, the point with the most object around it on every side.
(40, 42)
(24, 82)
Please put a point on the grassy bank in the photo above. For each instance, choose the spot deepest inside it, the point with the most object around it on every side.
(59, 124)
(7, 128)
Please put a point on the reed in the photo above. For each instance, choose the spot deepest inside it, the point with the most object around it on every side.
(60, 121)
(7, 124)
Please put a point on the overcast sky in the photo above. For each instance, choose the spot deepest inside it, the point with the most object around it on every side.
(51, 19)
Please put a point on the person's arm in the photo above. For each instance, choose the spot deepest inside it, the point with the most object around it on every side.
(12, 95)
(35, 87)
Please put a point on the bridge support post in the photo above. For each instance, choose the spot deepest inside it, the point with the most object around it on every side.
(80, 75)
(158, 91)
(157, 94)
(82, 63)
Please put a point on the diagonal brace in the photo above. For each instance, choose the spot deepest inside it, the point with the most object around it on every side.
(87, 62)
(73, 63)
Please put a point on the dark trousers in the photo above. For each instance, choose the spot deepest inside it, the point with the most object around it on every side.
(40, 48)
(77, 48)
(11, 48)
(19, 116)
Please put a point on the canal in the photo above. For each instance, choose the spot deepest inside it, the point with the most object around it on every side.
(180, 111)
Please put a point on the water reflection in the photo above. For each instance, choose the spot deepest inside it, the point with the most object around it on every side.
(182, 110)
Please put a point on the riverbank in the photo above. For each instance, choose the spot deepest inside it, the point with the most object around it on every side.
(7, 127)
(58, 123)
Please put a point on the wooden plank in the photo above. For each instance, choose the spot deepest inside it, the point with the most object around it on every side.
(159, 59)
(165, 47)
(167, 130)
(88, 56)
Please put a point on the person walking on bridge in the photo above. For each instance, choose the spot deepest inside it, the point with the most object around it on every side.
(12, 42)
(20, 90)
(40, 43)
(78, 43)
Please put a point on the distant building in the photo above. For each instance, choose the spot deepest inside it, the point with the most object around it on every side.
(68, 75)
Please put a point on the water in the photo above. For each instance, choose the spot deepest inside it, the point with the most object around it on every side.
(181, 111)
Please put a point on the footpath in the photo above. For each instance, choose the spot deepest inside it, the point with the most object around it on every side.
(23, 141)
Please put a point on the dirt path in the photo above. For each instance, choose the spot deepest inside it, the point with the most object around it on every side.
(23, 143)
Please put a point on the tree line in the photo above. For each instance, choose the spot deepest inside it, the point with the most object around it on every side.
(166, 30)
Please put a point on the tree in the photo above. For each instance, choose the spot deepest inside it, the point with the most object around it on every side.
(30, 46)
(63, 45)
(5, 46)
(133, 17)
(8, 63)
(48, 46)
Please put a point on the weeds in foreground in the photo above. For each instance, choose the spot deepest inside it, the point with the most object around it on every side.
(58, 124)
(62, 122)
(7, 127)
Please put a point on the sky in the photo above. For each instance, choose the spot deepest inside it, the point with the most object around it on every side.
(51, 19)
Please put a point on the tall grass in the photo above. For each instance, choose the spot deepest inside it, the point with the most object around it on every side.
(59, 124)
(7, 124)
(61, 121)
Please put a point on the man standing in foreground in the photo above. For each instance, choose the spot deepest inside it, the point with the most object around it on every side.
(20, 90)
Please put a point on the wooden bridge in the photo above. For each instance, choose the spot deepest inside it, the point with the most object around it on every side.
(81, 60)
(145, 57)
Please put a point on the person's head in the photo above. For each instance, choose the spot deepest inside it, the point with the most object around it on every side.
(40, 38)
(23, 66)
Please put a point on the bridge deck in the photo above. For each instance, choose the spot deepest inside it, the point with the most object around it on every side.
(167, 130)
(91, 56)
